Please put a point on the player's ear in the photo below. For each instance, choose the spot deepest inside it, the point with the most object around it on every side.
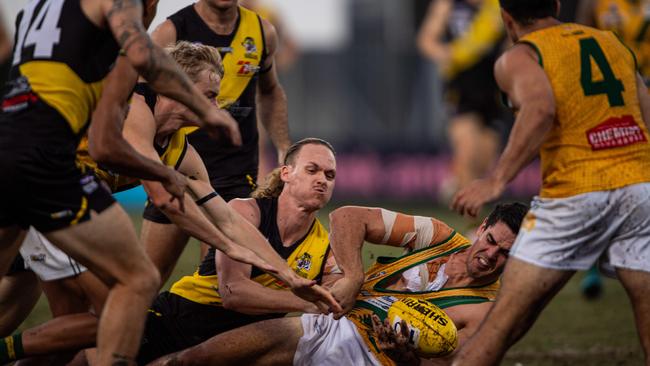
(284, 173)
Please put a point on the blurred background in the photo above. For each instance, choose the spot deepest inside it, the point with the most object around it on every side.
(355, 77)
(355, 74)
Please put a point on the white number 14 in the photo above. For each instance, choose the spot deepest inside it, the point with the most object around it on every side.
(43, 32)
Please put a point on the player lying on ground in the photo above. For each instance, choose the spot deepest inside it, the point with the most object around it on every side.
(440, 266)
(224, 294)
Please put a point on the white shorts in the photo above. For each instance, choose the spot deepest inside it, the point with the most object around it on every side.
(330, 342)
(47, 261)
(572, 233)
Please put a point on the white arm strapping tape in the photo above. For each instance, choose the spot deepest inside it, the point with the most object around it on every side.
(389, 220)
(423, 230)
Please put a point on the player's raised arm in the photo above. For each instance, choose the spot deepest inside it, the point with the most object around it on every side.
(158, 68)
(520, 76)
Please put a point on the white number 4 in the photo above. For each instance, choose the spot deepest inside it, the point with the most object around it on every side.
(43, 32)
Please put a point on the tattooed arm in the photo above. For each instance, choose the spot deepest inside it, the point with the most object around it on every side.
(124, 18)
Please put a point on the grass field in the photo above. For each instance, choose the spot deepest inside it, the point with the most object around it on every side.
(571, 331)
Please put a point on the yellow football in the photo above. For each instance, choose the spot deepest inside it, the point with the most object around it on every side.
(431, 331)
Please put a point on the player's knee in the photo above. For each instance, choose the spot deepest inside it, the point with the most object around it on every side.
(146, 281)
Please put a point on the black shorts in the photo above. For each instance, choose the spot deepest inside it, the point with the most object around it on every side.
(152, 213)
(175, 323)
(41, 185)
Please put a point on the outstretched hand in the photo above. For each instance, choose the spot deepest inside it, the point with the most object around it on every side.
(310, 291)
(469, 200)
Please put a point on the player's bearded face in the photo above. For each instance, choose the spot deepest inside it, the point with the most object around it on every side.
(310, 179)
(490, 251)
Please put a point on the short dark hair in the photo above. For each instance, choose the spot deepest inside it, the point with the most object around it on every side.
(511, 214)
(525, 12)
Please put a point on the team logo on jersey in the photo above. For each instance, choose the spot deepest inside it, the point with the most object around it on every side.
(304, 262)
(250, 47)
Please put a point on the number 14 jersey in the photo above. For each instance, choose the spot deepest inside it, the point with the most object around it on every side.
(62, 58)
(599, 140)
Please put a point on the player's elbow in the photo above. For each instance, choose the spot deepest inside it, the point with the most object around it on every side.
(102, 152)
(230, 299)
(230, 302)
(545, 112)
(344, 214)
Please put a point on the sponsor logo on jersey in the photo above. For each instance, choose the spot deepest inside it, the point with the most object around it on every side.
(615, 132)
(246, 68)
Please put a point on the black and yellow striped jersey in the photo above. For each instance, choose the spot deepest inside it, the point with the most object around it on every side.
(61, 58)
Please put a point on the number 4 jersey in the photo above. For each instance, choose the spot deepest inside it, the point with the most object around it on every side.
(599, 140)
(61, 58)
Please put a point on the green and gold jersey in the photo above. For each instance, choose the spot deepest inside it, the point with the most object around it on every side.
(599, 140)
(376, 298)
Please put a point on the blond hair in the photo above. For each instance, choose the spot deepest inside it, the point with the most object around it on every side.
(273, 184)
(194, 58)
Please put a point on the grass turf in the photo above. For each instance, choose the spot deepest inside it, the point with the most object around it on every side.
(571, 331)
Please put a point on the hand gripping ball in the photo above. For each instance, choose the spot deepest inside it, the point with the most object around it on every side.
(431, 331)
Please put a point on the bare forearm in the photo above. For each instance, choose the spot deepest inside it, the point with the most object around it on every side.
(346, 239)
(253, 298)
(192, 221)
(272, 113)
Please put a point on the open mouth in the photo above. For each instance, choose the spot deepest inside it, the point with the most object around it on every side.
(483, 263)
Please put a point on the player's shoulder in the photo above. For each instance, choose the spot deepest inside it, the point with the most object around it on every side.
(244, 202)
(519, 55)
